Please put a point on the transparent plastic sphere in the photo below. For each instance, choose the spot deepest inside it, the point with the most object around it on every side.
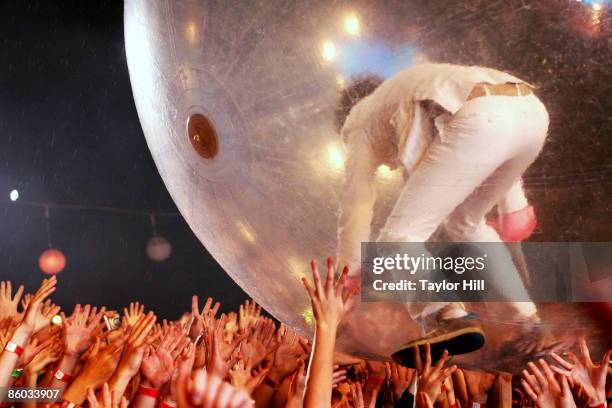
(236, 100)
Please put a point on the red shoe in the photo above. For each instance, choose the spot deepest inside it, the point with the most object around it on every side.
(516, 226)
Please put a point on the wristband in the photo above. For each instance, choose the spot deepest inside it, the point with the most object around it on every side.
(68, 404)
(272, 384)
(377, 382)
(443, 389)
(14, 348)
(454, 405)
(165, 405)
(602, 405)
(62, 376)
(478, 405)
(149, 392)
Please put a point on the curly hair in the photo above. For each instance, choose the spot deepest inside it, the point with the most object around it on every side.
(359, 88)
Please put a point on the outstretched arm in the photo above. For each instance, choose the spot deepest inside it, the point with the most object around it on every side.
(329, 305)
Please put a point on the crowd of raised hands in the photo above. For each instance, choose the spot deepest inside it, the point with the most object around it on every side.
(106, 359)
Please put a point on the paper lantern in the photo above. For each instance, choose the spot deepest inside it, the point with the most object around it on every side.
(158, 248)
(52, 261)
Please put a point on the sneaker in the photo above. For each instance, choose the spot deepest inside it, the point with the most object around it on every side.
(457, 336)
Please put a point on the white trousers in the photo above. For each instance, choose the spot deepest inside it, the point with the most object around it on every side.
(479, 154)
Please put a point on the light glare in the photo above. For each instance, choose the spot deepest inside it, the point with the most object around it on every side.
(335, 156)
(351, 25)
(329, 51)
(14, 195)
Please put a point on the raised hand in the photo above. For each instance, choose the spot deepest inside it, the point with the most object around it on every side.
(80, 328)
(31, 350)
(243, 376)
(295, 396)
(288, 353)
(329, 300)
(590, 376)
(357, 396)
(249, 314)
(260, 342)
(478, 384)
(108, 399)
(34, 319)
(135, 348)
(158, 363)
(544, 389)
(8, 303)
(399, 377)
(97, 370)
(202, 320)
(232, 328)
(204, 389)
(134, 314)
(46, 356)
(432, 377)
(215, 363)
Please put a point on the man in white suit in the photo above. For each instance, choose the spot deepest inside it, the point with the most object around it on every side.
(464, 137)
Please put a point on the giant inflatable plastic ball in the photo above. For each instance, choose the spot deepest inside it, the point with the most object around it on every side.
(236, 100)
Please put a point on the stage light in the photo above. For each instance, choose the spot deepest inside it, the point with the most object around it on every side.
(351, 25)
(14, 195)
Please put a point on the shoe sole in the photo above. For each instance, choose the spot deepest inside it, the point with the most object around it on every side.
(460, 341)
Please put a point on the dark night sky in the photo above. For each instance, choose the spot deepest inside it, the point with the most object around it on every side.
(70, 134)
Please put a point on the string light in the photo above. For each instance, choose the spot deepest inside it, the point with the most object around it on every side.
(53, 261)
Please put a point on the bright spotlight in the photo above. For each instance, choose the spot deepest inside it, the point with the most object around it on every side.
(14, 195)
(597, 6)
(329, 51)
(351, 25)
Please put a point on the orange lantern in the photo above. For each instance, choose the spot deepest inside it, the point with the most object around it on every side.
(52, 261)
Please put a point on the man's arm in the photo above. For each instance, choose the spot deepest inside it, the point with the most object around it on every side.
(357, 202)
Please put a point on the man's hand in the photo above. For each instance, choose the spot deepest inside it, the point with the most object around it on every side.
(295, 396)
(584, 372)
(134, 351)
(399, 377)
(260, 342)
(544, 389)
(287, 354)
(97, 370)
(35, 320)
(80, 329)
(8, 304)
(48, 355)
(203, 320)
(249, 314)
(158, 364)
(432, 377)
(108, 399)
(328, 300)
(134, 314)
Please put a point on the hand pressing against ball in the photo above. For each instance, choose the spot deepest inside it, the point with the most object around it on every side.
(432, 376)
